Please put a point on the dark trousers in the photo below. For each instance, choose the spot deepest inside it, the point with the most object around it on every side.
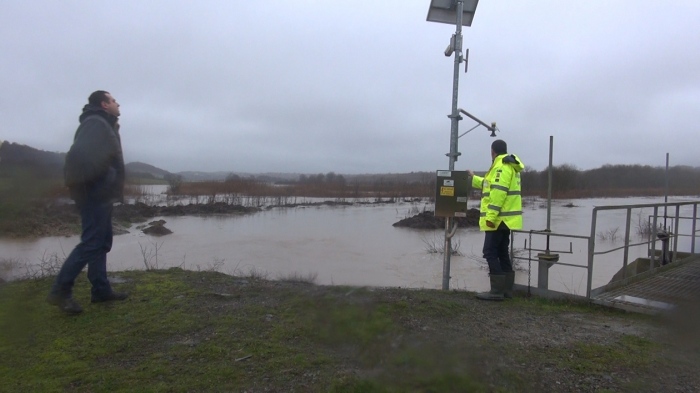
(496, 250)
(95, 243)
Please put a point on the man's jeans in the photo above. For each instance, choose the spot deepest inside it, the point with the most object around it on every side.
(496, 250)
(95, 243)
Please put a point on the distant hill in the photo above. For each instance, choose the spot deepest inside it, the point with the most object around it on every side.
(412, 177)
(271, 177)
(203, 176)
(15, 158)
(143, 170)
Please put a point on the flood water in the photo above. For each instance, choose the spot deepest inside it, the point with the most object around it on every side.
(357, 245)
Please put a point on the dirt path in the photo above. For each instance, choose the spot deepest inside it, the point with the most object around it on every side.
(527, 345)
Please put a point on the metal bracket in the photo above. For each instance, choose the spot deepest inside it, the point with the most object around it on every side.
(491, 127)
(571, 249)
(453, 231)
(466, 60)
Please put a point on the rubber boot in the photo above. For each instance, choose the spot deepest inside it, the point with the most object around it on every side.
(498, 281)
(508, 288)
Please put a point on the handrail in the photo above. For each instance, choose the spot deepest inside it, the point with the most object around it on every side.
(622, 247)
(672, 236)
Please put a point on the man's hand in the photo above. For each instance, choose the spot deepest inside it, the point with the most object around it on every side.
(470, 172)
(490, 224)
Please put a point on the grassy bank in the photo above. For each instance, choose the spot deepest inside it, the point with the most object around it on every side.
(184, 331)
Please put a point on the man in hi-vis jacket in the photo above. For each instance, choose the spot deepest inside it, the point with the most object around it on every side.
(501, 210)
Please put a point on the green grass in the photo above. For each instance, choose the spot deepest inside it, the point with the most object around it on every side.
(543, 305)
(203, 331)
(629, 352)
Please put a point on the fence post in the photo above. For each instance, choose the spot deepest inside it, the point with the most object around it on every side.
(545, 260)
(591, 252)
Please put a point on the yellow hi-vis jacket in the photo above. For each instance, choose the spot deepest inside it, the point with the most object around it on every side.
(500, 193)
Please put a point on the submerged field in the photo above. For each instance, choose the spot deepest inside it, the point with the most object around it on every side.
(184, 331)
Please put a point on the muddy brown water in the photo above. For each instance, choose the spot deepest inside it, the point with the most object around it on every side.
(354, 245)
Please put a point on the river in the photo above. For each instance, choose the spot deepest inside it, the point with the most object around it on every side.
(356, 245)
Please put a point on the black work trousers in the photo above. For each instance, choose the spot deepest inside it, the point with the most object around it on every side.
(496, 250)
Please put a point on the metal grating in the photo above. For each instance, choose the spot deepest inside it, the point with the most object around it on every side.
(658, 292)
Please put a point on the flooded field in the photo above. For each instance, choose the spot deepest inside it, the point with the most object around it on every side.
(357, 245)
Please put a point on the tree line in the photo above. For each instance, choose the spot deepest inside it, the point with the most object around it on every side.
(612, 181)
(28, 171)
(567, 182)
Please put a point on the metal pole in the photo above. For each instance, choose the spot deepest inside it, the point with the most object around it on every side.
(549, 188)
(591, 252)
(454, 117)
(692, 238)
(446, 255)
(654, 232)
(627, 244)
(675, 233)
(455, 88)
(665, 191)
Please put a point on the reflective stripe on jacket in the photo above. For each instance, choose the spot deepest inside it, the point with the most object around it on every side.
(500, 193)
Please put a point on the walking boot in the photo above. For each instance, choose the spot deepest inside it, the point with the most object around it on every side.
(498, 281)
(65, 304)
(508, 288)
(111, 297)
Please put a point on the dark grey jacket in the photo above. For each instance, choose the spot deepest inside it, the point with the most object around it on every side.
(94, 167)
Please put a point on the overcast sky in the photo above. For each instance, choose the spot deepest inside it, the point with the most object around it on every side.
(356, 86)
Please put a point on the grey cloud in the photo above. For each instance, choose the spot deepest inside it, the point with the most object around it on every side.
(354, 86)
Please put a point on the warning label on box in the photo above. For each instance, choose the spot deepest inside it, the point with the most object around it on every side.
(447, 191)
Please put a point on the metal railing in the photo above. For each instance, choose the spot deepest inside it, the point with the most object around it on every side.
(548, 258)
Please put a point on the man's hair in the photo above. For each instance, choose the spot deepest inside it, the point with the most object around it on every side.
(499, 147)
(98, 97)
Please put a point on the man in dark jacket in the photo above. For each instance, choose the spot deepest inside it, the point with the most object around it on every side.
(94, 173)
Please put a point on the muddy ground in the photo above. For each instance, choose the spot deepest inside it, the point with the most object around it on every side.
(427, 220)
(64, 220)
(204, 331)
(535, 349)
